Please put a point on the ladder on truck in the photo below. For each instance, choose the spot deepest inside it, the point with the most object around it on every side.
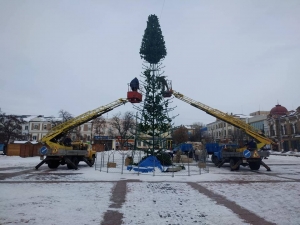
(228, 119)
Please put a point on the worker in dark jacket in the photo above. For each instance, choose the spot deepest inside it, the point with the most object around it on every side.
(252, 145)
(134, 84)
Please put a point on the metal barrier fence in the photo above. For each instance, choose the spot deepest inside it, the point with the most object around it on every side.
(127, 162)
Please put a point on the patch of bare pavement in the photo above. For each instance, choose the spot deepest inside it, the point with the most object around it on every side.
(4, 176)
(112, 216)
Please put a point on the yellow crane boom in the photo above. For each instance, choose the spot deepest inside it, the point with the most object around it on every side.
(58, 131)
(228, 119)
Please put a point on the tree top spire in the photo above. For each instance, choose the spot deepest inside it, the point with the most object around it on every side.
(153, 47)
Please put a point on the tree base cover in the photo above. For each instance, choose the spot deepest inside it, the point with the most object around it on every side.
(146, 165)
(149, 163)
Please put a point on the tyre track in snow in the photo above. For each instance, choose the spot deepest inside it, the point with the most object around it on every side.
(243, 213)
(118, 197)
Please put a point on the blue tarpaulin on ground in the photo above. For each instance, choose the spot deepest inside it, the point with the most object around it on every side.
(147, 165)
(151, 161)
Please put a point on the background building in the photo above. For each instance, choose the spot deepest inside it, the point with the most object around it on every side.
(279, 124)
(285, 128)
(220, 131)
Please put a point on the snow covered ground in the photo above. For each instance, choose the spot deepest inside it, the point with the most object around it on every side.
(84, 196)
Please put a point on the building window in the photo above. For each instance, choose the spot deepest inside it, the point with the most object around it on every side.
(272, 131)
(34, 138)
(26, 127)
(45, 126)
(283, 129)
(296, 128)
(35, 127)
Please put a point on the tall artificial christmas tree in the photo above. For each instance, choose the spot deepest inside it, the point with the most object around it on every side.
(154, 118)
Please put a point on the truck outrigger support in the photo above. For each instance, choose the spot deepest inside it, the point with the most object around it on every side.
(236, 165)
(87, 162)
(265, 165)
(221, 163)
(41, 163)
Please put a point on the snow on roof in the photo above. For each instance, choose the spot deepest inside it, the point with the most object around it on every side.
(29, 118)
(242, 116)
(24, 142)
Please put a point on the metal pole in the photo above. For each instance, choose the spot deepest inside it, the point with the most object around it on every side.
(107, 165)
(188, 166)
(135, 135)
(95, 163)
(101, 162)
(172, 169)
(122, 162)
(139, 161)
(280, 135)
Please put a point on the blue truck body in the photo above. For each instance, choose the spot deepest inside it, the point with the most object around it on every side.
(226, 153)
(184, 147)
(216, 149)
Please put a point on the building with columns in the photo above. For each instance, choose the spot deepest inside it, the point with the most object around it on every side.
(285, 128)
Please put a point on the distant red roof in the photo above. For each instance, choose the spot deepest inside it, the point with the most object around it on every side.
(278, 110)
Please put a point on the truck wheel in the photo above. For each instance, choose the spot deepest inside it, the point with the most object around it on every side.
(214, 158)
(217, 162)
(254, 165)
(53, 164)
(70, 166)
(92, 161)
(232, 164)
(75, 161)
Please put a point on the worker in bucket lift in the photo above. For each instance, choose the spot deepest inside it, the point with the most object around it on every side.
(252, 145)
(134, 84)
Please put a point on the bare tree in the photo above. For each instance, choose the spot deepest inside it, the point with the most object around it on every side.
(10, 128)
(65, 115)
(180, 135)
(99, 125)
(54, 121)
(123, 128)
(197, 135)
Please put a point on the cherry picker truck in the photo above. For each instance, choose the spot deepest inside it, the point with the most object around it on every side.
(251, 156)
(55, 153)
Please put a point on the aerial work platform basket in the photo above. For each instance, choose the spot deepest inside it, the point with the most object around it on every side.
(167, 89)
(134, 96)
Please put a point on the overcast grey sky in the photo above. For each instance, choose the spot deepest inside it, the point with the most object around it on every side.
(235, 56)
